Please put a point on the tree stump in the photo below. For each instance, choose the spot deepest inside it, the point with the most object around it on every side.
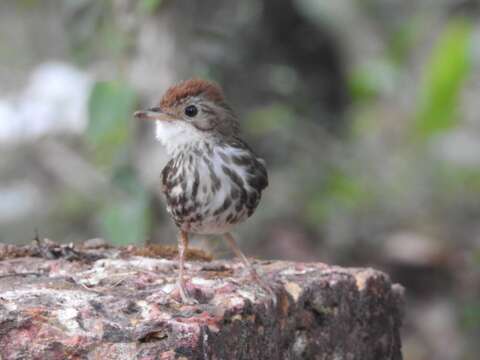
(65, 302)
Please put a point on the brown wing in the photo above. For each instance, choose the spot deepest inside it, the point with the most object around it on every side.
(167, 170)
(257, 177)
(255, 166)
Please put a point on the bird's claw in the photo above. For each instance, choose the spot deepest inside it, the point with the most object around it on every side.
(185, 297)
(257, 278)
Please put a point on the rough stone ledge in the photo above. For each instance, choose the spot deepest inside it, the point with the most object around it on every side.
(113, 304)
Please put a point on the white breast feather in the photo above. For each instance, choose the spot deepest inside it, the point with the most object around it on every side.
(176, 137)
(176, 134)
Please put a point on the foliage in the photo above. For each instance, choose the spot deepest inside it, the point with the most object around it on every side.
(150, 6)
(340, 192)
(459, 178)
(95, 29)
(368, 82)
(110, 107)
(445, 74)
(124, 218)
(403, 40)
(471, 316)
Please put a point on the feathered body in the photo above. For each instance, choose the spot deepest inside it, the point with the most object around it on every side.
(213, 180)
(213, 185)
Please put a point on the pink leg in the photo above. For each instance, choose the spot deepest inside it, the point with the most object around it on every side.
(182, 247)
(253, 273)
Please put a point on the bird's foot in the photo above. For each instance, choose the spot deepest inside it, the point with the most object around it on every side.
(184, 295)
(261, 282)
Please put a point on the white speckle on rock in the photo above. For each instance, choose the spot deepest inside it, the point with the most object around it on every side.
(135, 262)
(94, 280)
(67, 317)
(67, 298)
(205, 345)
(144, 309)
(236, 301)
(293, 271)
(10, 306)
(246, 294)
(300, 344)
(168, 288)
(203, 282)
(333, 283)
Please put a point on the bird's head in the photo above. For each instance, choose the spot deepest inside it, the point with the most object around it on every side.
(190, 111)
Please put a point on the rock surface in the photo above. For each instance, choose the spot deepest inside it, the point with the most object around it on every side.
(110, 303)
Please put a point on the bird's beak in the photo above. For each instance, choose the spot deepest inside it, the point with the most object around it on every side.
(153, 114)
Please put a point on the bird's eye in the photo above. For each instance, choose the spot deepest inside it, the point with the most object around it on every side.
(191, 110)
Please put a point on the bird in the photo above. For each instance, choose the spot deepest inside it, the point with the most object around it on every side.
(213, 180)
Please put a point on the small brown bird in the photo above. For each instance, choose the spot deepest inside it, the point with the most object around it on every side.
(213, 180)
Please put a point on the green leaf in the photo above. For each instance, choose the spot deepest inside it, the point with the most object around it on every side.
(454, 178)
(446, 72)
(29, 4)
(371, 80)
(110, 109)
(471, 316)
(362, 85)
(402, 40)
(150, 6)
(476, 257)
(339, 192)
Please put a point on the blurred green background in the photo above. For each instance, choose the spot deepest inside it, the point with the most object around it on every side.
(365, 110)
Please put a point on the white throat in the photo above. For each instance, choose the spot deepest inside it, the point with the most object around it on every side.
(176, 135)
